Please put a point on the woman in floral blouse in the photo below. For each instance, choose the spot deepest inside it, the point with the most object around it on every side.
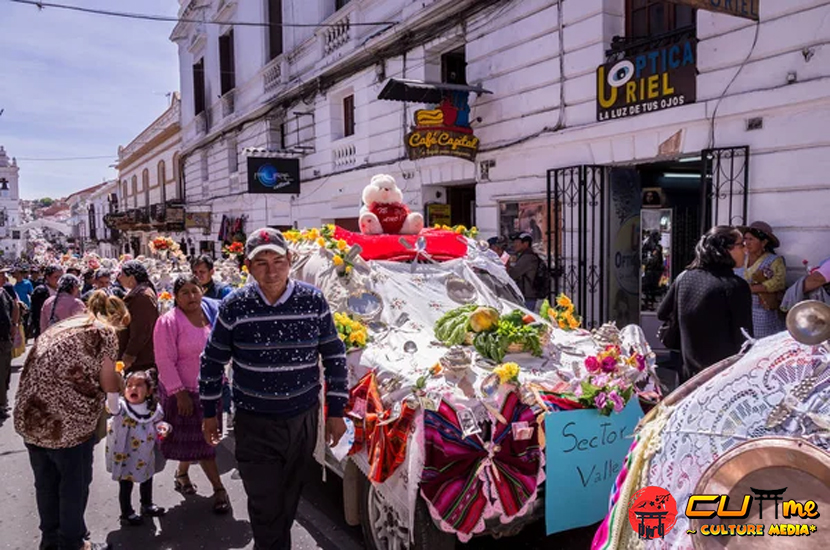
(59, 401)
(766, 274)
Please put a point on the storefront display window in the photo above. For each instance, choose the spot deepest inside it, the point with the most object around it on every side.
(526, 216)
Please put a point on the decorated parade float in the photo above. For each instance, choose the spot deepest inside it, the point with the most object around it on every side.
(452, 383)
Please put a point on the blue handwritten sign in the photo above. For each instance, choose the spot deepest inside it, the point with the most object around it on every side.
(585, 453)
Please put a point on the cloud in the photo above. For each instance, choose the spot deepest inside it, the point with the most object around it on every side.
(75, 84)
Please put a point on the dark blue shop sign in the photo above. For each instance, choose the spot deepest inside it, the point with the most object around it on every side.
(273, 175)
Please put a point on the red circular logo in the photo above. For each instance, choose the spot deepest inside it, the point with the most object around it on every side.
(652, 512)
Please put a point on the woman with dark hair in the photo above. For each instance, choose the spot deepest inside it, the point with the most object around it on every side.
(136, 343)
(42, 292)
(766, 273)
(709, 303)
(59, 402)
(64, 304)
(180, 338)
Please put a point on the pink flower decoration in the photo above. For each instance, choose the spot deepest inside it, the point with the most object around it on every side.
(578, 391)
(600, 381)
(805, 262)
(601, 400)
(619, 403)
(592, 364)
(609, 364)
(641, 363)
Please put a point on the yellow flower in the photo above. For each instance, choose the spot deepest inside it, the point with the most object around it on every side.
(573, 322)
(321, 241)
(119, 366)
(437, 226)
(348, 269)
(459, 229)
(507, 372)
(244, 269)
(564, 301)
(330, 228)
(165, 296)
(337, 260)
(563, 324)
(342, 245)
(313, 234)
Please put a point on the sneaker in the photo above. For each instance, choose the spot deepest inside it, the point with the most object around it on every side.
(132, 519)
(96, 546)
(153, 511)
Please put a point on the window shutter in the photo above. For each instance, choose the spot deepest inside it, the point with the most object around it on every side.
(348, 116)
(226, 63)
(199, 87)
(275, 29)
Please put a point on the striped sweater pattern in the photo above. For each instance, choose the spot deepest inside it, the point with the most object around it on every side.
(274, 353)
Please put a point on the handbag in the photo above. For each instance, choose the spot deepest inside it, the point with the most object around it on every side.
(669, 331)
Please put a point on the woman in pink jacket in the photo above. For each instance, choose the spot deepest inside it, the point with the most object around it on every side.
(179, 338)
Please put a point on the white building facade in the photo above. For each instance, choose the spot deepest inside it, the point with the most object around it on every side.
(87, 210)
(10, 238)
(719, 119)
(148, 189)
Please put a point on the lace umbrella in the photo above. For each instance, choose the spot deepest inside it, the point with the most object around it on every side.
(762, 393)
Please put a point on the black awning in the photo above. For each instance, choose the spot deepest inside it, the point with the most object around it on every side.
(415, 91)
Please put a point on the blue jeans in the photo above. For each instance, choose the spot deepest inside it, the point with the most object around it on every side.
(531, 305)
(62, 478)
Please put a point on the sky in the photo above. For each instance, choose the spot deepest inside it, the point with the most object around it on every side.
(80, 85)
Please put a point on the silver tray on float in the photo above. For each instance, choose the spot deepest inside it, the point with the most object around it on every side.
(789, 466)
(461, 291)
(364, 305)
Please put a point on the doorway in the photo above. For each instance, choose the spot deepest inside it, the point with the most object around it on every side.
(462, 201)
(656, 220)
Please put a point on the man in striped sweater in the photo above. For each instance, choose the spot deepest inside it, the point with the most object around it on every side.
(274, 331)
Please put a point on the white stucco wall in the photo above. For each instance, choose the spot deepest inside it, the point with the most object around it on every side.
(515, 50)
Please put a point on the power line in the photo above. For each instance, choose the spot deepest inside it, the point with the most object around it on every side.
(61, 159)
(171, 19)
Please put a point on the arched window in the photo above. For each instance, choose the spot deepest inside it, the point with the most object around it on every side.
(178, 192)
(145, 184)
(135, 185)
(162, 181)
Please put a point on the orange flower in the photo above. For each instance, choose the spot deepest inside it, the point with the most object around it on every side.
(119, 366)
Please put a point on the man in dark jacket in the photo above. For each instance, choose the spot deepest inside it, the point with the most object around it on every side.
(202, 268)
(523, 267)
(50, 287)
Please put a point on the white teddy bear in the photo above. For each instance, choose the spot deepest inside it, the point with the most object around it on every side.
(384, 210)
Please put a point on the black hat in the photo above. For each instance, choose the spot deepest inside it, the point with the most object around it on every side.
(522, 236)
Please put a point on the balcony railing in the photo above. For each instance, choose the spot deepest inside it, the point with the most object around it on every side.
(272, 75)
(344, 156)
(339, 33)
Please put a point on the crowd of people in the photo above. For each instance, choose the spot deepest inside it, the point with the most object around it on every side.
(106, 366)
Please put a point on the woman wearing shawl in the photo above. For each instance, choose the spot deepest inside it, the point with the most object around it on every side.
(180, 337)
(135, 344)
(64, 304)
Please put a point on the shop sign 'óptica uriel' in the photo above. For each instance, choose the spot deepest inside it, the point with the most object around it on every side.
(652, 81)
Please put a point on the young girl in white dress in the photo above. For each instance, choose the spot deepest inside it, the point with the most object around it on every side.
(136, 424)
